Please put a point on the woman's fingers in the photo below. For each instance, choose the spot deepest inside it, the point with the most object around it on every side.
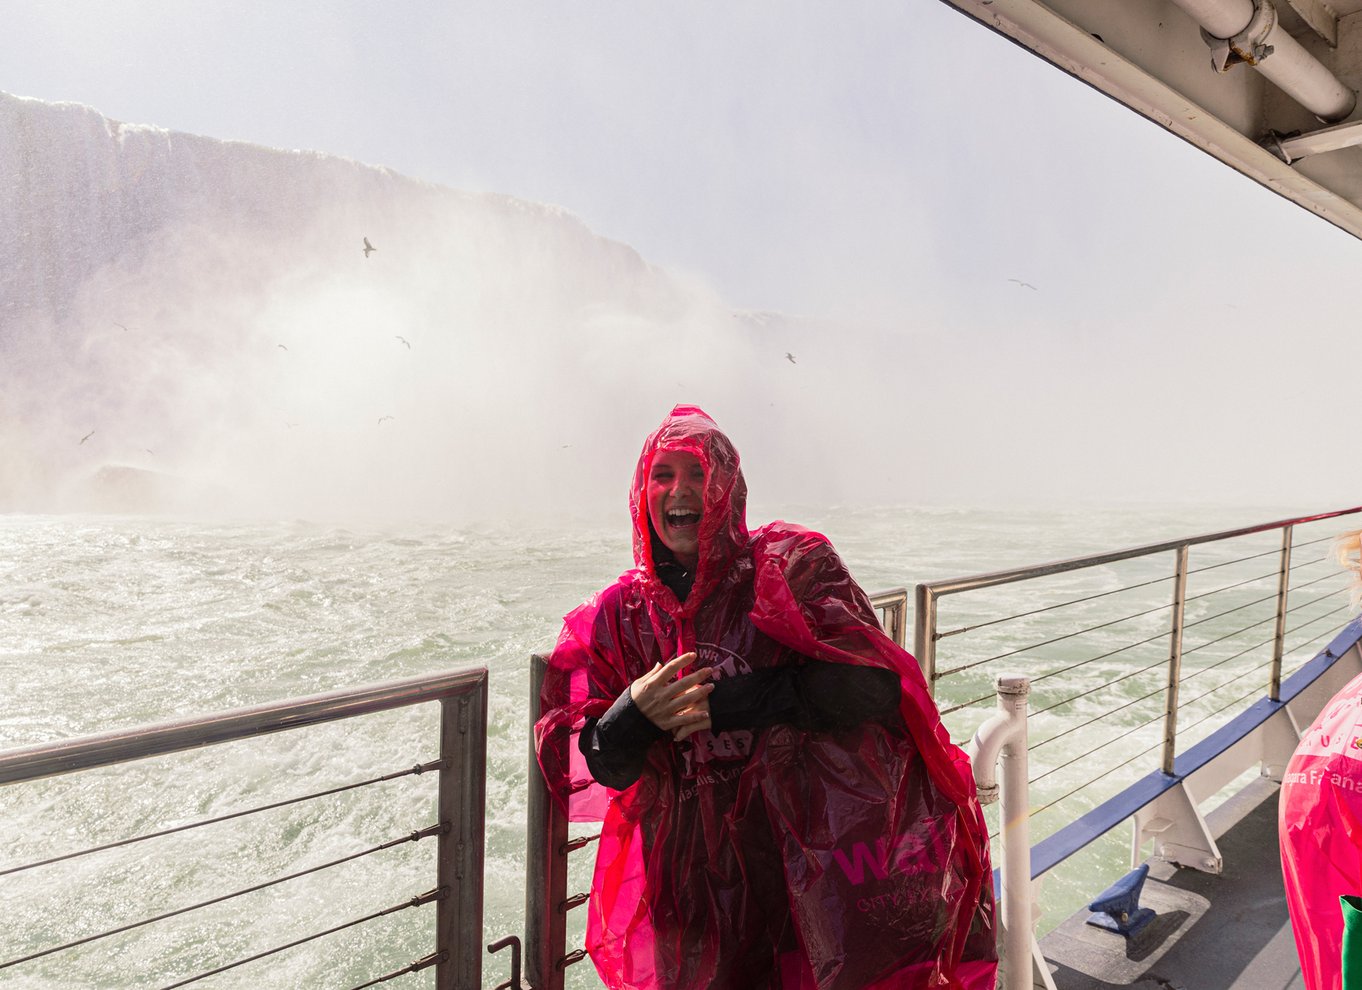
(683, 731)
(666, 671)
(674, 704)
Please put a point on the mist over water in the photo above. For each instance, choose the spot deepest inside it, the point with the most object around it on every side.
(202, 332)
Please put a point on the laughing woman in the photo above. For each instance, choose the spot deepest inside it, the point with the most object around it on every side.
(782, 806)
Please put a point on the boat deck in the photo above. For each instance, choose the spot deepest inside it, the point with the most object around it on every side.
(1226, 932)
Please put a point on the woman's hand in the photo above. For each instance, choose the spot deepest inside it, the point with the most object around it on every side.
(678, 706)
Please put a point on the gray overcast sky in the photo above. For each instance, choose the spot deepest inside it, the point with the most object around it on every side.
(892, 161)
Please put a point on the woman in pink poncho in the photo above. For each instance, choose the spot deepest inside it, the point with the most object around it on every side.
(782, 807)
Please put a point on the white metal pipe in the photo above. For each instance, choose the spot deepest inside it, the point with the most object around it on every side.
(1222, 18)
(1288, 66)
(1003, 737)
(1300, 76)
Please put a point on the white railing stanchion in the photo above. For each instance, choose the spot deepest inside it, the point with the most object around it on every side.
(1003, 738)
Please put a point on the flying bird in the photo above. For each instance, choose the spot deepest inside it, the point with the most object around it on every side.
(382, 418)
(368, 248)
(404, 340)
(1024, 285)
(121, 327)
(86, 437)
(282, 347)
(789, 357)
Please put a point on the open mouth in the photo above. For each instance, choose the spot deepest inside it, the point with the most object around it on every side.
(682, 518)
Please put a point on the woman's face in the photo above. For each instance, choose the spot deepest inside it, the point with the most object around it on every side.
(676, 501)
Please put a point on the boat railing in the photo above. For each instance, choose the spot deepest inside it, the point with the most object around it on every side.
(892, 605)
(457, 828)
(1157, 676)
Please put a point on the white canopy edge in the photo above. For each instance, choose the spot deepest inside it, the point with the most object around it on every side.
(1073, 49)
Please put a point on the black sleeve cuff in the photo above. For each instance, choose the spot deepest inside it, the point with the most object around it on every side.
(616, 744)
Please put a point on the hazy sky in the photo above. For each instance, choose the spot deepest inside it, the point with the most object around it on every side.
(890, 161)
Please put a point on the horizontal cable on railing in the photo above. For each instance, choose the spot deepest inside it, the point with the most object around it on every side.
(1107, 714)
(1049, 608)
(1061, 670)
(1315, 601)
(1049, 642)
(1327, 632)
(1221, 639)
(581, 841)
(1083, 756)
(1231, 611)
(1237, 560)
(412, 771)
(1295, 565)
(434, 959)
(1222, 685)
(1310, 543)
(431, 895)
(572, 958)
(968, 704)
(1106, 773)
(1102, 656)
(1325, 577)
(1232, 656)
(1307, 604)
(1231, 587)
(412, 837)
(1192, 725)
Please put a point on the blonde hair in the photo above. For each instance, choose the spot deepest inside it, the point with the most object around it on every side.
(1348, 552)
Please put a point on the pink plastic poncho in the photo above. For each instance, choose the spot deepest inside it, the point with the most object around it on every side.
(1319, 827)
(777, 858)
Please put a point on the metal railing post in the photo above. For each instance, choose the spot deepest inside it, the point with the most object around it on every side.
(546, 835)
(924, 634)
(462, 804)
(1002, 739)
(1170, 716)
(894, 605)
(1274, 689)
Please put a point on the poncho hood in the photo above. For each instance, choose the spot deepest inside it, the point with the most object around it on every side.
(723, 525)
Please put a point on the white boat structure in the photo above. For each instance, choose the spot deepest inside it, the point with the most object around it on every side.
(1175, 677)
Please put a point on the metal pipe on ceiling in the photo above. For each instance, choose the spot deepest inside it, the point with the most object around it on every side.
(1251, 31)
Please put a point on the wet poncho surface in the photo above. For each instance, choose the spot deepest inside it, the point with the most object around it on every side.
(780, 858)
(1320, 830)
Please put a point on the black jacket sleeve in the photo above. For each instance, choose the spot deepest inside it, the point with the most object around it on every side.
(815, 695)
(616, 744)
